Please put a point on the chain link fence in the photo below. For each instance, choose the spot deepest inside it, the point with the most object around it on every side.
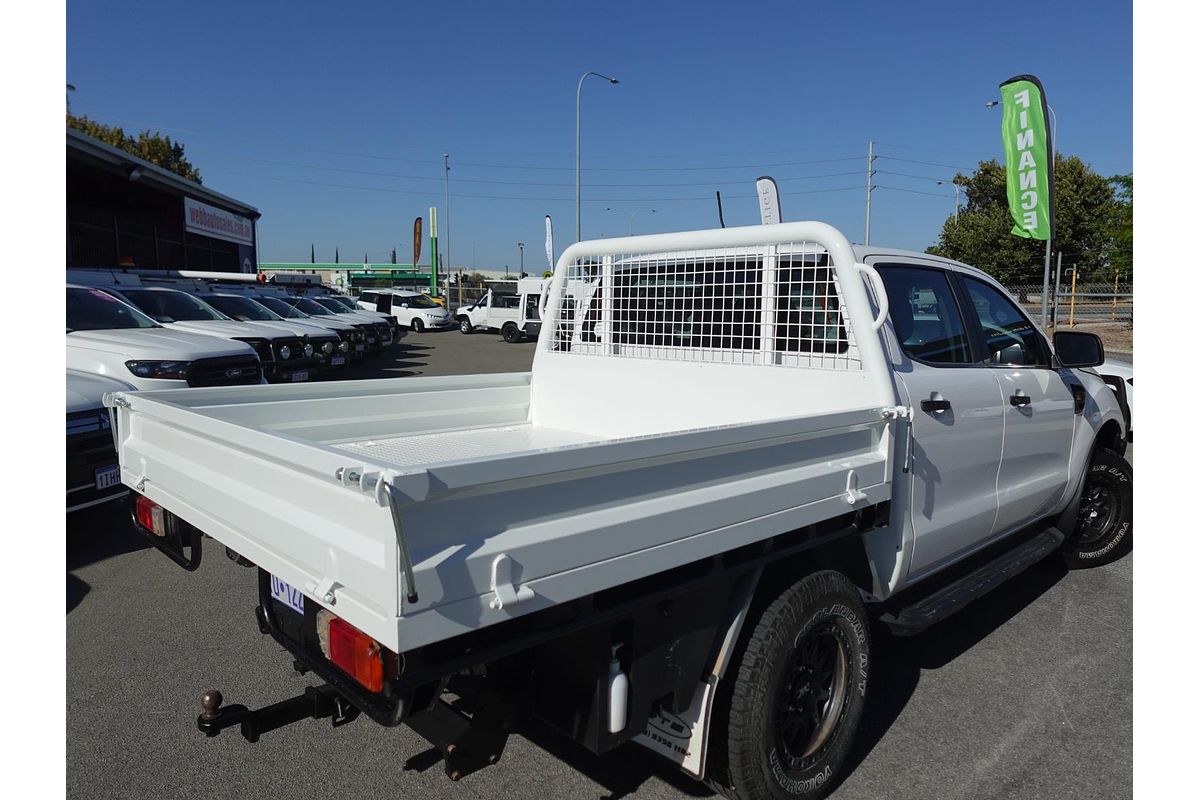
(1104, 309)
(1082, 303)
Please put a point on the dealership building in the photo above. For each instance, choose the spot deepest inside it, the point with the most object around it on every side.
(126, 212)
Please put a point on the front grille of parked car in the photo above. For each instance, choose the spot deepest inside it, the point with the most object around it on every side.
(224, 371)
(295, 350)
(89, 447)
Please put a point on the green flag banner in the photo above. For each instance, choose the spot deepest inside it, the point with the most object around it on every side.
(1028, 157)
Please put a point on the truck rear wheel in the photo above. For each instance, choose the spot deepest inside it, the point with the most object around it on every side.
(1104, 528)
(797, 694)
(511, 333)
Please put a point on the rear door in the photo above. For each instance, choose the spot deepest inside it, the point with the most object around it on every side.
(1038, 403)
(957, 429)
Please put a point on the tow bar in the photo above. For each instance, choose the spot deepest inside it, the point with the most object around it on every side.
(317, 702)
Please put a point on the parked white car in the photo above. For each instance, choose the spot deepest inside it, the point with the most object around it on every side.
(93, 475)
(108, 337)
(285, 355)
(331, 347)
(377, 332)
(411, 309)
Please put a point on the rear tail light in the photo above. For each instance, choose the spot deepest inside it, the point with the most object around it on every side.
(351, 650)
(150, 515)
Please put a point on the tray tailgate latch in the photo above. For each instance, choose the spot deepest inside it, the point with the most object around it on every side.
(504, 594)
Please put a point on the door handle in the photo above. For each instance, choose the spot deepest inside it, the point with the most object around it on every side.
(935, 406)
(1020, 399)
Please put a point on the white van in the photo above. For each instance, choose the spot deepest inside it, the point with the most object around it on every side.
(411, 309)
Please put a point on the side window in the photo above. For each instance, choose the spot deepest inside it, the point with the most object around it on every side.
(531, 306)
(1008, 335)
(924, 314)
(369, 297)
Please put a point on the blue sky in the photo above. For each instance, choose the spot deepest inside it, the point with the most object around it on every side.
(332, 118)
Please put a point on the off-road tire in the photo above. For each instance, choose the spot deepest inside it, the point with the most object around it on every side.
(1104, 527)
(464, 326)
(768, 688)
(416, 325)
(511, 333)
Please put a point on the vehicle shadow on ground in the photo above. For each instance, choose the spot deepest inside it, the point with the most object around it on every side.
(899, 660)
(399, 361)
(95, 534)
(621, 771)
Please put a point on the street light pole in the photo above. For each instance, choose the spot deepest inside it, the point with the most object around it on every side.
(633, 214)
(956, 187)
(521, 246)
(446, 158)
(578, 101)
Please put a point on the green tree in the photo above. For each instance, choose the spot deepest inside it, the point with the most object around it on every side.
(1086, 207)
(1120, 232)
(157, 148)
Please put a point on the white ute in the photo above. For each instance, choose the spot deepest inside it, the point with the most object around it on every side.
(108, 337)
(734, 449)
(514, 316)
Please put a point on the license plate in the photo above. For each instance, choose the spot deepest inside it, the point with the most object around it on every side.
(370, 340)
(108, 476)
(299, 375)
(287, 595)
(337, 361)
(358, 348)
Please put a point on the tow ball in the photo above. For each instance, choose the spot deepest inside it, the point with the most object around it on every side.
(317, 702)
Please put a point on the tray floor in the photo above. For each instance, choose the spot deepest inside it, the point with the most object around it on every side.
(465, 445)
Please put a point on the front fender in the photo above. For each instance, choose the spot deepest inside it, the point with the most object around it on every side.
(1102, 423)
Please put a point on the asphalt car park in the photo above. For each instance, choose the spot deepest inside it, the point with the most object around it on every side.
(1027, 692)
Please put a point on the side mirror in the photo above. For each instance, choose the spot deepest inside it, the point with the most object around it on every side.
(1078, 349)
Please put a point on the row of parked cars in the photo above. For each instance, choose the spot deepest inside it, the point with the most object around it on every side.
(125, 333)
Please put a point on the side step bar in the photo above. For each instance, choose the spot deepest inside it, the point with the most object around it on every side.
(911, 619)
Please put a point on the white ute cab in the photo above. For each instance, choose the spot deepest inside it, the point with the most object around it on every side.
(106, 336)
(732, 455)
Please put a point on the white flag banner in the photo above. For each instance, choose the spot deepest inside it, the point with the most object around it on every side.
(768, 201)
(549, 242)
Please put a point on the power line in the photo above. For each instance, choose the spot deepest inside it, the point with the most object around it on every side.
(910, 175)
(927, 163)
(642, 155)
(496, 182)
(525, 198)
(911, 191)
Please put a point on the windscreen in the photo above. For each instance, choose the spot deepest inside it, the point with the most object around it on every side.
(418, 301)
(282, 309)
(172, 306)
(242, 309)
(94, 310)
(309, 307)
(346, 302)
(331, 304)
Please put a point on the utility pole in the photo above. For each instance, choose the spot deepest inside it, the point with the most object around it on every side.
(870, 186)
(521, 246)
(446, 158)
